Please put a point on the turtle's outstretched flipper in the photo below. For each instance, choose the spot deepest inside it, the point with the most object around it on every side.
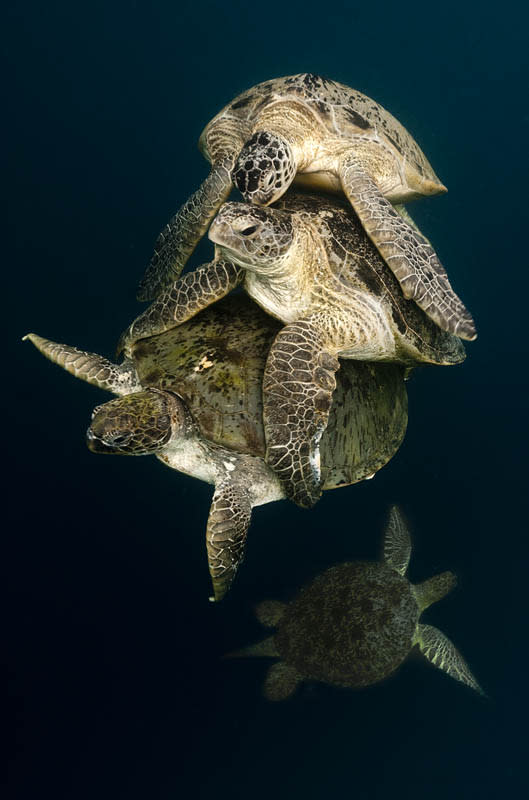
(228, 523)
(281, 681)
(121, 379)
(406, 251)
(186, 297)
(298, 384)
(183, 232)
(270, 612)
(434, 589)
(397, 542)
(438, 649)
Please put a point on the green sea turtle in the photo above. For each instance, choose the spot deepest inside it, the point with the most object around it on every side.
(356, 623)
(330, 137)
(308, 262)
(193, 397)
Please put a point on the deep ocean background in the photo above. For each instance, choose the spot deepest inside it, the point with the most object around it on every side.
(116, 687)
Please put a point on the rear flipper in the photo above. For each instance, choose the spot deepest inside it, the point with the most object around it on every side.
(281, 681)
(270, 613)
(438, 649)
(228, 523)
(183, 232)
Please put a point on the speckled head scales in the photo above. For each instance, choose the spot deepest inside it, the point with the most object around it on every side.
(265, 168)
(137, 424)
(256, 235)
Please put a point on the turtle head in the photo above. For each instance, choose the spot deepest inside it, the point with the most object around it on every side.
(137, 424)
(265, 168)
(251, 236)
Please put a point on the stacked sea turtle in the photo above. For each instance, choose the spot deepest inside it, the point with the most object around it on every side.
(267, 408)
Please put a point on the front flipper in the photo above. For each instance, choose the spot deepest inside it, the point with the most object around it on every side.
(397, 542)
(298, 384)
(228, 523)
(281, 681)
(406, 251)
(120, 379)
(403, 211)
(438, 649)
(186, 297)
(183, 232)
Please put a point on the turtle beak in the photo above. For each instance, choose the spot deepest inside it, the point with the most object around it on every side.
(220, 232)
(235, 227)
(95, 445)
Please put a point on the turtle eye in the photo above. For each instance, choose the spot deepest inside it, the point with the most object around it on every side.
(249, 231)
(119, 439)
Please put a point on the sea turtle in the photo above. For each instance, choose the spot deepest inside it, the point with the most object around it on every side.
(328, 137)
(308, 262)
(355, 624)
(193, 397)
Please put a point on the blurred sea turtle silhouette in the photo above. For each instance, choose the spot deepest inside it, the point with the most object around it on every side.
(193, 397)
(355, 624)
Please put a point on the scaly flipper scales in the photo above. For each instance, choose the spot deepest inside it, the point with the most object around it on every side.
(406, 251)
(397, 543)
(298, 384)
(120, 379)
(181, 235)
(405, 214)
(228, 523)
(438, 649)
(186, 297)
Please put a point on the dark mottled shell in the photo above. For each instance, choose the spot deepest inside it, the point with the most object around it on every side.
(356, 264)
(352, 626)
(344, 112)
(367, 422)
(215, 362)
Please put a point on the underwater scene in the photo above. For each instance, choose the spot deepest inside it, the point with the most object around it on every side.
(312, 331)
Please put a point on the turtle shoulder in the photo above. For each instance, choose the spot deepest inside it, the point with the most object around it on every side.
(357, 114)
(352, 626)
(215, 363)
(367, 423)
(238, 116)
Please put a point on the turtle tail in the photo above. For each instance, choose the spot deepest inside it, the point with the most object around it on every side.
(119, 379)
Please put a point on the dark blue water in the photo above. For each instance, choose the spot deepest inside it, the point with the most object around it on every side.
(115, 684)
